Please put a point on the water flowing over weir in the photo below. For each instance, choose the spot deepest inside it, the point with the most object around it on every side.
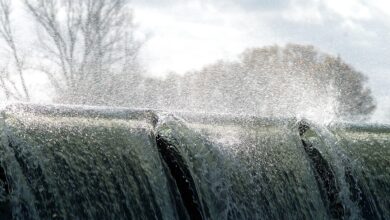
(61, 162)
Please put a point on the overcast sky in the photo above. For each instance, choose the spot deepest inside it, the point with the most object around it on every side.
(187, 34)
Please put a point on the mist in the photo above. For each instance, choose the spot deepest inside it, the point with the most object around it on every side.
(152, 51)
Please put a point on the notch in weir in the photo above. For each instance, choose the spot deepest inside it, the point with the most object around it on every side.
(182, 176)
(324, 175)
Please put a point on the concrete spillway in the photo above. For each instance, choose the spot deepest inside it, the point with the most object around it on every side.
(61, 162)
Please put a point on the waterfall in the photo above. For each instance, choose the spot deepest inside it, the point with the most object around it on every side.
(70, 162)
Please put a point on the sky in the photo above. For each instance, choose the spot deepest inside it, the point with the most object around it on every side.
(184, 35)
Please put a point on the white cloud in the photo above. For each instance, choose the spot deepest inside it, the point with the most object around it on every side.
(303, 14)
(381, 6)
(188, 36)
(350, 9)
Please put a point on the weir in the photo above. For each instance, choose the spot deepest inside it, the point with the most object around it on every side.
(64, 162)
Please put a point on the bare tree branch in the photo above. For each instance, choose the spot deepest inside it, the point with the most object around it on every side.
(88, 40)
(7, 35)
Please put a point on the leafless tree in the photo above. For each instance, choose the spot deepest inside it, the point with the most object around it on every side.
(13, 88)
(85, 45)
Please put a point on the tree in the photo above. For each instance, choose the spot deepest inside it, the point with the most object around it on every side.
(90, 41)
(282, 81)
(86, 48)
(13, 87)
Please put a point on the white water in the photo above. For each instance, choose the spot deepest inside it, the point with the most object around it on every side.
(214, 167)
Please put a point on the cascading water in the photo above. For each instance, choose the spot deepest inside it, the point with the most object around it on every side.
(60, 162)
(70, 164)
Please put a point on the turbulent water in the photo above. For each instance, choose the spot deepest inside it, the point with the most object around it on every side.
(60, 162)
